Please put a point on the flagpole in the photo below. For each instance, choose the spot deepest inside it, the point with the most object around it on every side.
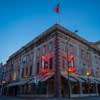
(57, 10)
(59, 18)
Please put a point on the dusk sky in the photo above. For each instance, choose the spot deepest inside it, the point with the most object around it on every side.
(23, 20)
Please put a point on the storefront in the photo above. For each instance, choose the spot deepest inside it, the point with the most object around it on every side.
(41, 85)
(79, 86)
(14, 88)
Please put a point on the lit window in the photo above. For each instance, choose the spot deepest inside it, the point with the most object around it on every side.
(15, 76)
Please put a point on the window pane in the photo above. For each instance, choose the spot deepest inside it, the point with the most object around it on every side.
(51, 63)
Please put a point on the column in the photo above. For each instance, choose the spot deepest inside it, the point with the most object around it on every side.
(96, 88)
(81, 92)
(47, 88)
(21, 90)
(57, 76)
(70, 87)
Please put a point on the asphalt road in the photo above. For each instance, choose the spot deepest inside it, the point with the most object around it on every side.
(19, 98)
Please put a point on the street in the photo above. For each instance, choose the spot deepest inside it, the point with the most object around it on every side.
(22, 98)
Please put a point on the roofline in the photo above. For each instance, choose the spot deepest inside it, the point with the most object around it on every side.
(74, 35)
(58, 28)
(49, 30)
(96, 43)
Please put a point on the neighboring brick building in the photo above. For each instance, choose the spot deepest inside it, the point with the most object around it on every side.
(46, 65)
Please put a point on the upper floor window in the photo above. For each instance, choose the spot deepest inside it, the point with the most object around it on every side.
(22, 72)
(51, 63)
(63, 46)
(38, 68)
(15, 76)
(72, 49)
(24, 59)
(81, 53)
(29, 57)
(30, 73)
(99, 60)
(18, 60)
(95, 59)
(64, 63)
(51, 46)
(45, 64)
(38, 52)
(44, 49)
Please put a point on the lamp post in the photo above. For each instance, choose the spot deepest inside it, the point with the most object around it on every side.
(88, 74)
(69, 95)
(70, 69)
(36, 81)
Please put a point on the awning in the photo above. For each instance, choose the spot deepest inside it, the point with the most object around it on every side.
(70, 78)
(41, 78)
(83, 78)
(17, 83)
(46, 77)
(97, 80)
(78, 78)
(89, 79)
(94, 81)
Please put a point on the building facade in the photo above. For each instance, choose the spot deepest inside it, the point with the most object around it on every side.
(97, 44)
(56, 63)
(2, 77)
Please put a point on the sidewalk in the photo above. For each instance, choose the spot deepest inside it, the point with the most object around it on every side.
(42, 98)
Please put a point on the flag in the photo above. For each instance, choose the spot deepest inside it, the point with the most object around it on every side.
(57, 8)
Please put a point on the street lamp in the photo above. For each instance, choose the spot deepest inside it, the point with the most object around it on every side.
(68, 39)
(70, 69)
(36, 82)
(88, 73)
